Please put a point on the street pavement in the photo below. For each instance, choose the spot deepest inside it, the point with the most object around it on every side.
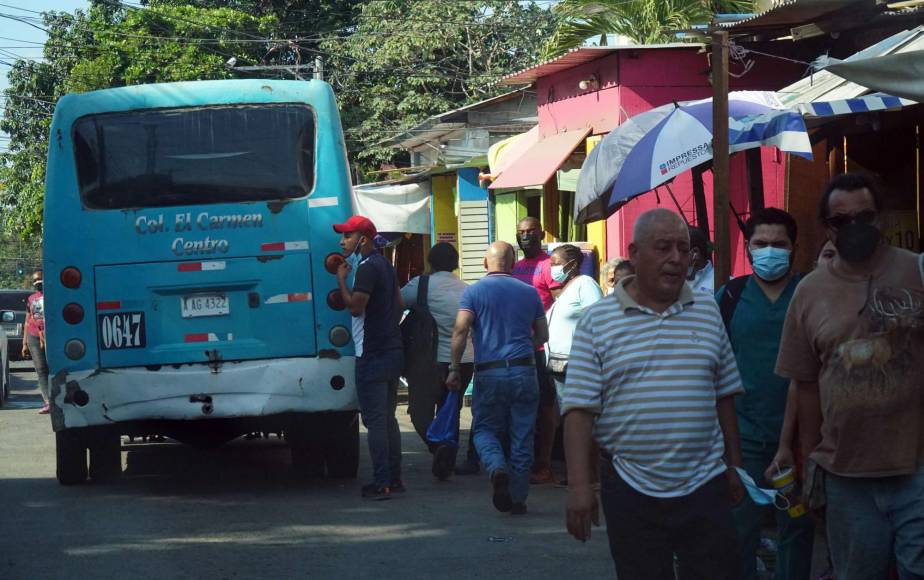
(236, 512)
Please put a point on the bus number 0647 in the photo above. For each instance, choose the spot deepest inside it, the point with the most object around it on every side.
(122, 330)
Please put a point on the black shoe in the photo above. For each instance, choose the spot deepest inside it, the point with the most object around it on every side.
(397, 486)
(470, 467)
(442, 462)
(518, 509)
(376, 492)
(501, 483)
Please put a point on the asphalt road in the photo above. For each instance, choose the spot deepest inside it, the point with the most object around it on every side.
(237, 513)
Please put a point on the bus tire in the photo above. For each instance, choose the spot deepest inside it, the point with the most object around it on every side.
(71, 456)
(307, 451)
(341, 446)
(105, 455)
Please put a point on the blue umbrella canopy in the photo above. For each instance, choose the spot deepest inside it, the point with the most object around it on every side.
(652, 148)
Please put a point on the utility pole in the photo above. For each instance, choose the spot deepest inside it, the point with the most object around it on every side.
(318, 68)
(722, 254)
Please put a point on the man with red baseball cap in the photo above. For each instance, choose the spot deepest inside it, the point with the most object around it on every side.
(375, 305)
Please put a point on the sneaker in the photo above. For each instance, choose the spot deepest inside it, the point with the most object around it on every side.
(470, 467)
(518, 508)
(397, 486)
(46, 408)
(442, 462)
(376, 492)
(541, 476)
(500, 481)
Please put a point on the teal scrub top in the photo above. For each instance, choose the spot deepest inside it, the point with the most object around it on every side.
(755, 331)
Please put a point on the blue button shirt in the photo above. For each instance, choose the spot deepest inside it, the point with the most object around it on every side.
(505, 310)
(755, 331)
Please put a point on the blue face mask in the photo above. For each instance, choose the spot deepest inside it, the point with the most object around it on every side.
(770, 263)
(762, 496)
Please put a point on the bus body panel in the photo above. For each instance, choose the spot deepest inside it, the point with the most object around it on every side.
(266, 258)
(244, 389)
(144, 314)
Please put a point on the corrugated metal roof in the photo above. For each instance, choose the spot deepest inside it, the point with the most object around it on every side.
(578, 56)
(827, 86)
(444, 123)
(785, 14)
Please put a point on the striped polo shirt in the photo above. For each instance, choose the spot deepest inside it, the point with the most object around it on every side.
(653, 380)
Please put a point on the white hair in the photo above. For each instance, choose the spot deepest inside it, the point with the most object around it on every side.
(646, 222)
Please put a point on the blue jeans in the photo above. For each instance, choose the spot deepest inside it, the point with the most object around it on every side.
(872, 519)
(504, 407)
(377, 376)
(795, 537)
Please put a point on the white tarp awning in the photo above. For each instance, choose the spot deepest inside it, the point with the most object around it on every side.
(395, 208)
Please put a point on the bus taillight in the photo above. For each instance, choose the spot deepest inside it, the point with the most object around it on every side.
(71, 277)
(332, 262)
(335, 300)
(73, 313)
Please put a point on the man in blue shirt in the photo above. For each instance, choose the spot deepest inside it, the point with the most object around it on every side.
(754, 308)
(508, 322)
(375, 305)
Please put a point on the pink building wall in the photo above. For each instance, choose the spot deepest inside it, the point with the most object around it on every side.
(633, 81)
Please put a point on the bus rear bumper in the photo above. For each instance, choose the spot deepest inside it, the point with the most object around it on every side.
(194, 392)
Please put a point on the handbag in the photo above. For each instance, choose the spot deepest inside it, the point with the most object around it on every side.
(444, 430)
(556, 364)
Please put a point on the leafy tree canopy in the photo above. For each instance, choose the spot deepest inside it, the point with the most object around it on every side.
(406, 60)
(641, 21)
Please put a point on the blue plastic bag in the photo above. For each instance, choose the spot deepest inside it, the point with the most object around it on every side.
(445, 426)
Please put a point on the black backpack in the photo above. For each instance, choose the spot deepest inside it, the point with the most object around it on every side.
(729, 299)
(419, 335)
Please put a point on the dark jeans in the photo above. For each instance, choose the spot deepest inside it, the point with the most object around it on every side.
(41, 364)
(870, 520)
(795, 535)
(646, 532)
(377, 376)
(426, 394)
(505, 404)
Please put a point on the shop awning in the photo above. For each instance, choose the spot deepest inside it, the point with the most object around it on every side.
(541, 161)
(900, 74)
(395, 208)
(503, 153)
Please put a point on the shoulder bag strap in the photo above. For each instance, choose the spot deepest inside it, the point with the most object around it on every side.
(422, 289)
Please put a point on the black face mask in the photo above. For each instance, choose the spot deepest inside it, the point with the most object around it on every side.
(38, 287)
(855, 242)
(528, 242)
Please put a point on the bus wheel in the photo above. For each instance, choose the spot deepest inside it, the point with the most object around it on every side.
(105, 455)
(341, 445)
(71, 456)
(307, 451)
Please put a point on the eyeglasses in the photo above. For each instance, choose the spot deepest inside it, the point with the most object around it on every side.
(838, 221)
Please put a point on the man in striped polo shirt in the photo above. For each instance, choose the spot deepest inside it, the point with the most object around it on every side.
(651, 377)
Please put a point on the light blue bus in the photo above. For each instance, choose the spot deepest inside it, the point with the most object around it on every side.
(189, 272)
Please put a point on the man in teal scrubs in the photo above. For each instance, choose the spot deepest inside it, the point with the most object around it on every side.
(754, 308)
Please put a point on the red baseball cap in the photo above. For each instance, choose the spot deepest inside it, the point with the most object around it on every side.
(357, 223)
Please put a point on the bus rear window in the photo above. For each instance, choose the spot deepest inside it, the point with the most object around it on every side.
(195, 156)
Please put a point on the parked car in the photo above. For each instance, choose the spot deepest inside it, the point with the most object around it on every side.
(13, 313)
(4, 369)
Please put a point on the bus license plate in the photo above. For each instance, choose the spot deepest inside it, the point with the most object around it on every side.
(204, 305)
(121, 330)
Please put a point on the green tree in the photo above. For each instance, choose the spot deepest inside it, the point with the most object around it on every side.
(642, 21)
(406, 60)
(111, 45)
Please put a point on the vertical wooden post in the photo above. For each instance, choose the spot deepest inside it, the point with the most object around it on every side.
(722, 254)
(755, 179)
(699, 200)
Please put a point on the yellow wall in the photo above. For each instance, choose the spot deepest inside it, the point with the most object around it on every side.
(596, 231)
(445, 221)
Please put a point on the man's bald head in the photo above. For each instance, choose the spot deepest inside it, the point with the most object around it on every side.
(499, 257)
(656, 219)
